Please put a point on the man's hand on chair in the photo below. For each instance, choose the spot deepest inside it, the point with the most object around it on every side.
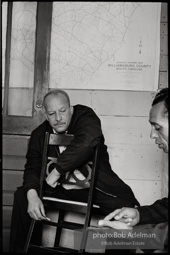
(52, 178)
(35, 206)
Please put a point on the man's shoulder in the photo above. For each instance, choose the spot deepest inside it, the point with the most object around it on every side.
(42, 128)
(84, 113)
(82, 108)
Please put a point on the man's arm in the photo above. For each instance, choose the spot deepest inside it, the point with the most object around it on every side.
(86, 128)
(33, 165)
(155, 213)
(151, 214)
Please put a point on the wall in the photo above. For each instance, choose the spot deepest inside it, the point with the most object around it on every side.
(124, 116)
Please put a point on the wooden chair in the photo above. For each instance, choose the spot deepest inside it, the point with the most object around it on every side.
(64, 205)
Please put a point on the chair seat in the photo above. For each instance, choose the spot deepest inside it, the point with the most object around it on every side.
(68, 202)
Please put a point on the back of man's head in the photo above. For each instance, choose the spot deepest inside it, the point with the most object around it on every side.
(162, 96)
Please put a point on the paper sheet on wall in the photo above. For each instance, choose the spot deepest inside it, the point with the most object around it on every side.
(105, 45)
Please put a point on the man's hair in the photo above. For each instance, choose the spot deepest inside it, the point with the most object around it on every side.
(162, 96)
(56, 92)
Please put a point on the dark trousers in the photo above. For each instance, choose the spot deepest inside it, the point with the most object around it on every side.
(21, 220)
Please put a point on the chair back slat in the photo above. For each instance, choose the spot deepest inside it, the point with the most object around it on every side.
(60, 139)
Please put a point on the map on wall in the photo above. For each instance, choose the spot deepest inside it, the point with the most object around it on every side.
(105, 45)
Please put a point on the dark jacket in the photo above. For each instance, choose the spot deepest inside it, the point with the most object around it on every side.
(86, 127)
(155, 213)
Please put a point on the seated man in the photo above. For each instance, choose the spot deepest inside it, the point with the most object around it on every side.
(81, 121)
(158, 211)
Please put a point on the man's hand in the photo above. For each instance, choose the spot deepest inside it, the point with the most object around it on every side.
(130, 216)
(52, 178)
(35, 206)
(115, 224)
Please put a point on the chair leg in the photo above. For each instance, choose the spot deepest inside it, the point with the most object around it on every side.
(59, 229)
(29, 236)
(83, 241)
(85, 230)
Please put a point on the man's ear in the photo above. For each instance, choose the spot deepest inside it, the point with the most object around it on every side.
(71, 109)
(167, 115)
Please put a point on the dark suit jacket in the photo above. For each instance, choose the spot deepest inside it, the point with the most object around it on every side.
(155, 213)
(86, 127)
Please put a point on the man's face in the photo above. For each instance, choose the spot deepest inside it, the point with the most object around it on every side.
(58, 112)
(159, 126)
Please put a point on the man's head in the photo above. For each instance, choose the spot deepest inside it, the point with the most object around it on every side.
(58, 109)
(158, 119)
